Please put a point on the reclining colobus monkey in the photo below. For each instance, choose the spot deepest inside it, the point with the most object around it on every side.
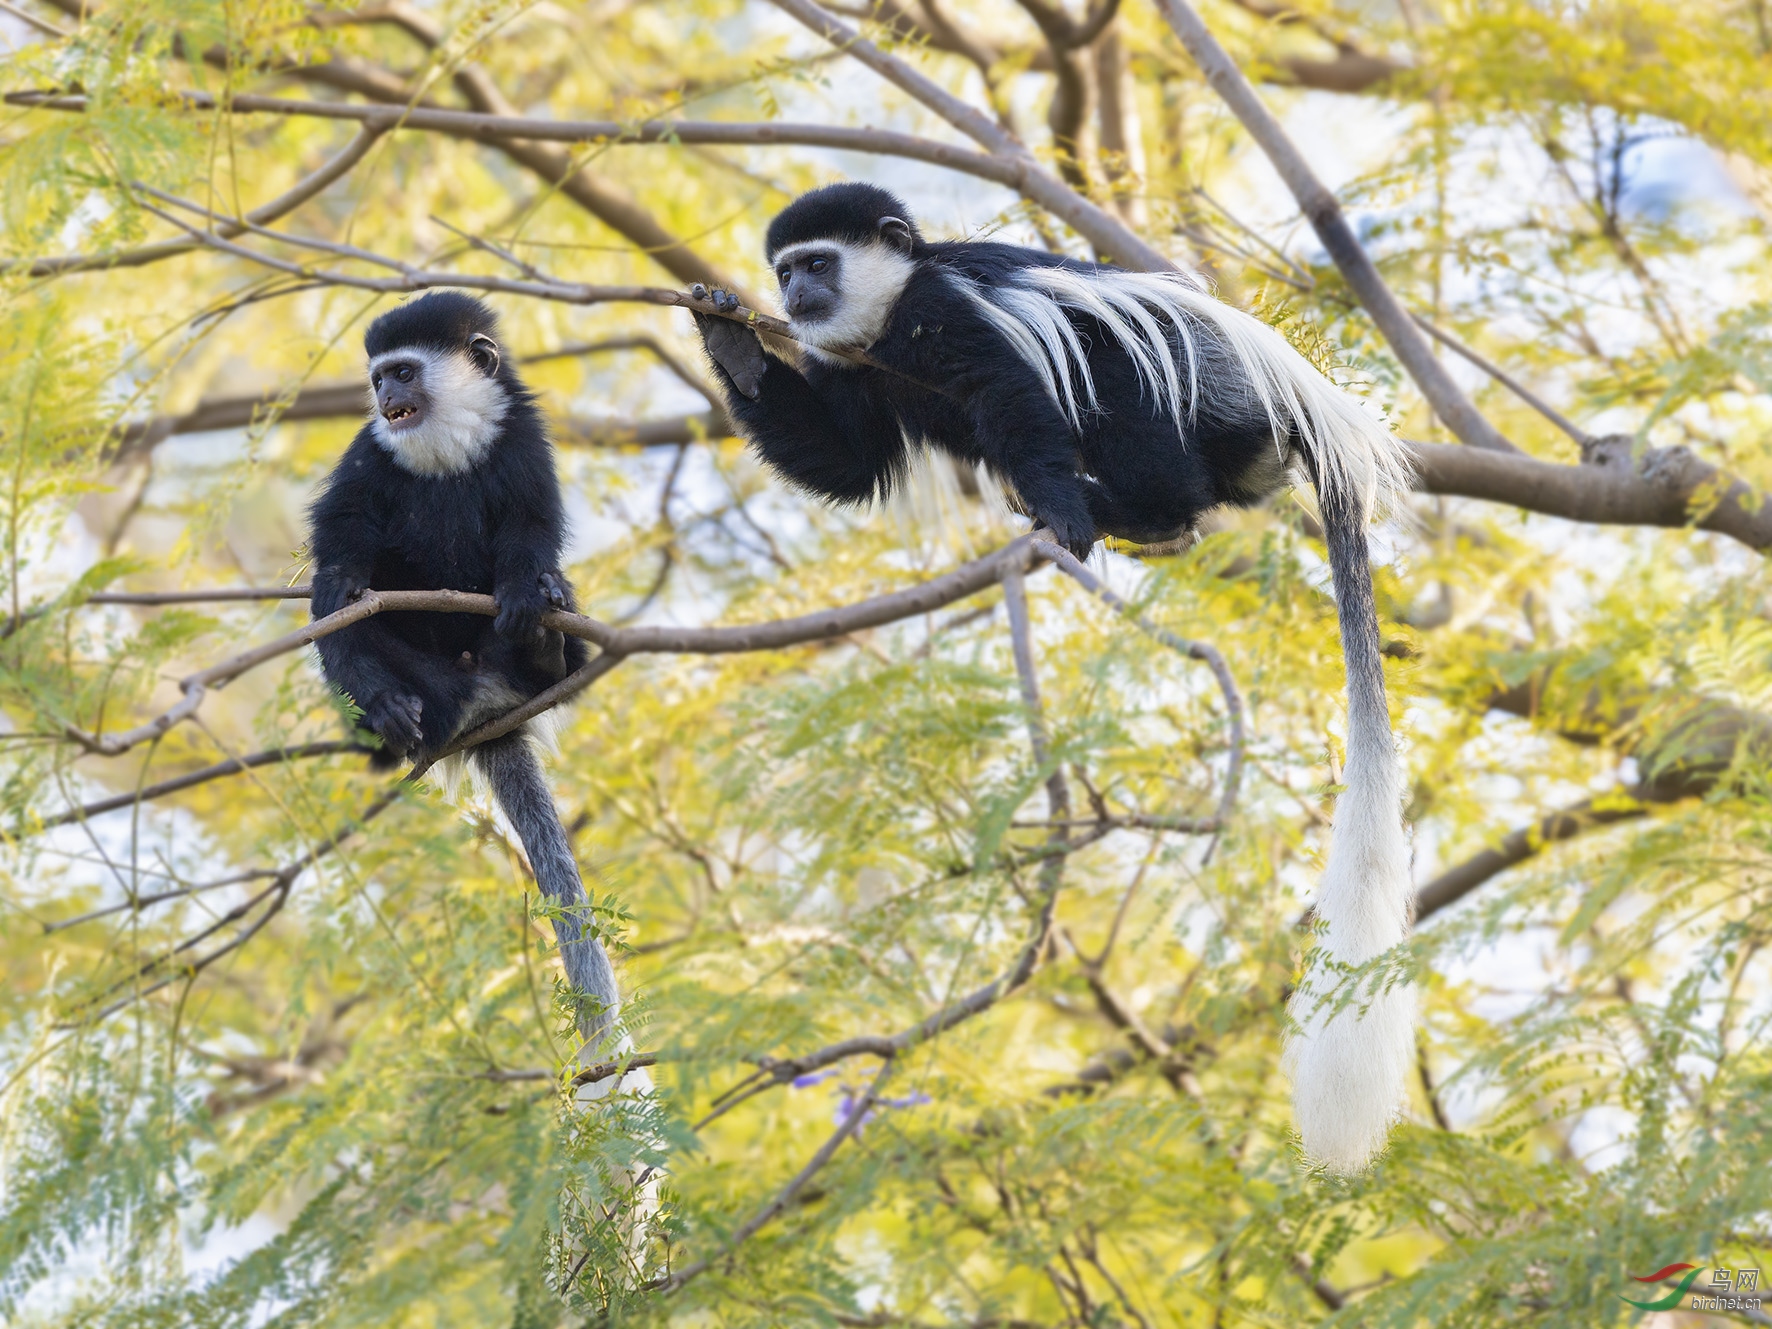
(451, 485)
(1114, 403)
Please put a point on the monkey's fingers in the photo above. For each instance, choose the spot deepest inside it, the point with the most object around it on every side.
(735, 349)
(553, 587)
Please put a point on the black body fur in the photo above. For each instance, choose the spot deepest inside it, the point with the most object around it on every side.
(943, 375)
(955, 344)
(421, 679)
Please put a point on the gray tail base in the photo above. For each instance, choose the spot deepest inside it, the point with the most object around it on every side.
(1344, 532)
(511, 768)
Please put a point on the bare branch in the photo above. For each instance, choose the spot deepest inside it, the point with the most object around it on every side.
(1507, 381)
(329, 401)
(30, 20)
(603, 1070)
(421, 279)
(1326, 217)
(1455, 883)
(496, 129)
(270, 756)
(1352, 69)
(1111, 237)
(213, 594)
(615, 643)
(783, 1198)
(1685, 760)
(139, 902)
(277, 893)
(570, 686)
(1668, 487)
(1197, 650)
(287, 202)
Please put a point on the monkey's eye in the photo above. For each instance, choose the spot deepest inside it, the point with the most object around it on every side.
(404, 373)
(818, 265)
(783, 275)
(375, 380)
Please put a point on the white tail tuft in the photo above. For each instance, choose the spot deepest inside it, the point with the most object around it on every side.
(1350, 1066)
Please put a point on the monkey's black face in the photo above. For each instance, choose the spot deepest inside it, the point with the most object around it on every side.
(838, 294)
(400, 396)
(810, 278)
(437, 410)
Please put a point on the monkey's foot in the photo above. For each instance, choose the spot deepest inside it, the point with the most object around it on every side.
(394, 718)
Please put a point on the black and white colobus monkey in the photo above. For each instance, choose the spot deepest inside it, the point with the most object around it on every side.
(1116, 403)
(451, 485)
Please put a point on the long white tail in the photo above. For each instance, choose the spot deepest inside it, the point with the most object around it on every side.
(1350, 1059)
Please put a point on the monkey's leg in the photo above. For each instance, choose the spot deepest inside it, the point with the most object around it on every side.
(511, 768)
(381, 674)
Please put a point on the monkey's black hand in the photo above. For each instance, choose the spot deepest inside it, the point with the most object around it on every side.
(334, 590)
(733, 346)
(520, 607)
(394, 718)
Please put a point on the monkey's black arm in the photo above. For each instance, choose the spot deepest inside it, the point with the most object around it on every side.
(1026, 440)
(986, 403)
(347, 529)
(837, 436)
(528, 533)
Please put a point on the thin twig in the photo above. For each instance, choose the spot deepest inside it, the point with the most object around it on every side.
(159, 897)
(284, 203)
(278, 892)
(784, 1197)
(1197, 650)
(216, 772)
(1507, 381)
(30, 20)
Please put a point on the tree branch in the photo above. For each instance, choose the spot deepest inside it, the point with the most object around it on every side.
(283, 880)
(1068, 564)
(615, 643)
(30, 20)
(1507, 381)
(496, 130)
(287, 202)
(1326, 217)
(221, 769)
(1667, 487)
(1455, 883)
(784, 1197)
(1113, 239)
(1685, 759)
(328, 401)
(602, 198)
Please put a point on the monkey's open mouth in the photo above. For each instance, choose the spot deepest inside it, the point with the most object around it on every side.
(399, 415)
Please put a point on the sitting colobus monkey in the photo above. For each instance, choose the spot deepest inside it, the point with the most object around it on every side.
(451, 485)
(1115, 403)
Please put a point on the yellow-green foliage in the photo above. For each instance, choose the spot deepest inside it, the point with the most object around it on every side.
(337, 1097)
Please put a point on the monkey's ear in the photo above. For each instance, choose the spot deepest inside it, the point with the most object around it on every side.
(484, 352)
(896, 231)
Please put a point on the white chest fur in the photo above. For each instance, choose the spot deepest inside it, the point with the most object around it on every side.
(463, 411)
